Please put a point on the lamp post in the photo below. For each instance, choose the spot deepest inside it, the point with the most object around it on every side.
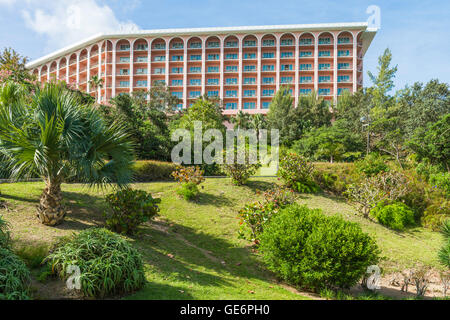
(366, 121)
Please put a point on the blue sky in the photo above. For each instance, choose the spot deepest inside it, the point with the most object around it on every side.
(415, 31)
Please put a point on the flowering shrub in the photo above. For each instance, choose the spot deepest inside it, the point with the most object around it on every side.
(189, 175)
(297, 173)
(239, 172)
(129, 209)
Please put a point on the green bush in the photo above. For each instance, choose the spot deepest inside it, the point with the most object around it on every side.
(306, 187)
(109, 265)
(396, 215)
(297, 173)
(335, 177)
(33, 256)
(129, 209)
(149, 170)
(372, 165)
(5, 235)
(189, 191)
(15, 278)
(441, 180)
(436, 214)
(444, 253)
(307, 248)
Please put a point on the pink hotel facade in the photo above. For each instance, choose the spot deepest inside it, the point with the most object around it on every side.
(243, 66)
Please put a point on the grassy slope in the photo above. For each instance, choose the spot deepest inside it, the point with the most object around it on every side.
(192, 251)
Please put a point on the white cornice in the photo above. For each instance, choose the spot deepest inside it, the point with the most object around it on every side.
(198, 31)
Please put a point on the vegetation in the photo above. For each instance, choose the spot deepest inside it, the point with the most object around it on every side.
(291, 241)
(108, 264)
(152, 170)
(14, 277)
(396, 216)
(444, 253)
(189, 178)
(297, 173)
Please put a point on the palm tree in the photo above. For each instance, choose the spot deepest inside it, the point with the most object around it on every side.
(52, 134)
(95, 82)
(258, 122)
(241, 120)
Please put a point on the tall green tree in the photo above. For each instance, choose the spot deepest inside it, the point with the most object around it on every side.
(313, 112)
(58, 137)
(241, 120)
(383, 81)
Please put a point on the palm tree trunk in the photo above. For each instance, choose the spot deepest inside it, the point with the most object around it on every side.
(50, 210)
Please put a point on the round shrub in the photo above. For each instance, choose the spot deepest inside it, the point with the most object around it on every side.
(309, 249)
(396, 216)
(108, 264)
(297, 173)
(129, 209)
(189, 191)
(371, 165)
(15, 278)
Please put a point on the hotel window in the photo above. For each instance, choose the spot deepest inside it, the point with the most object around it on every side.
(195, 82)
(250, 43)
(249, 80)
(343, 66)
(324, 54)
(231, 56)
(249, 68)
(324, 92)
(286, 67)
(194, 94)
(159, 58)
(343, 40)
(141, 83)
(343, 78)
(141, 59)
(249, 105)
(231, 81)
(159, 46)
(177, 94)
(323, 79)
(195, 70)
(124, 47)
(342, 90)
(306, 42)
(213, 57)
(124, 59)
(304, 54)
(179, 106)
(305, 91)
(213, 69)
(177, 58)
(250, 56)
(268, 80)
(268, 67)
(231, 44)
(268, 55)
(286, 42)
(324, 66)
(159, 82)
(307, 66)
(285, 80)
(249, 93)
(177, 45)
(343, 53)
(212, 82)
(305, 79)
(195, 45)
(124, 84)
(231, 93)
(268, 92)
(141, 71)
(159, 71)
(266, 105)
(177, 70)
(124, 72)
(231, 106)
(231, 69)
(325, 41)
(177, 83)
(213, 44)
(287, 54)
(196, 57)
(141, 47)
(268, 43)
(213, 93)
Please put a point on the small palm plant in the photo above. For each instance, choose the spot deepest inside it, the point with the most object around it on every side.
(95, 82)
(444, 253)
(52, 134)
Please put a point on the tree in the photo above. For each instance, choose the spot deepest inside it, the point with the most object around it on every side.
(258, 123)
(241, 120)
(58, 138)
(313, 112)
(13, 65)
(96, 83)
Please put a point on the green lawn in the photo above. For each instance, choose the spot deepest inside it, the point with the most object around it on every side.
(192, 251)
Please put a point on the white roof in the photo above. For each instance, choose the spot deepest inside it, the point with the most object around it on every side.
(204, 31)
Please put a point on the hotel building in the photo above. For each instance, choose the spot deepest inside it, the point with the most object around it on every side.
(243, 66)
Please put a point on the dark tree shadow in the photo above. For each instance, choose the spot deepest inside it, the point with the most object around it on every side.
(211, 199)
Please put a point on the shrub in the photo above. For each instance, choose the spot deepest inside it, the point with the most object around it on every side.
(108, 264)
(5, 235)
(189, 175)
(189, 191)
(297, 173)
(444, 253)
(149, 170)
(441, 180)
(396, 216)
(15, 278)
(33, 256)
(371, 165)
(312, 250)
(129, 209)
(335, 177)
(239, 171)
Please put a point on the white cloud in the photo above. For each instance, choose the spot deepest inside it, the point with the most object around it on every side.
(7, 2)
(64, 22)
